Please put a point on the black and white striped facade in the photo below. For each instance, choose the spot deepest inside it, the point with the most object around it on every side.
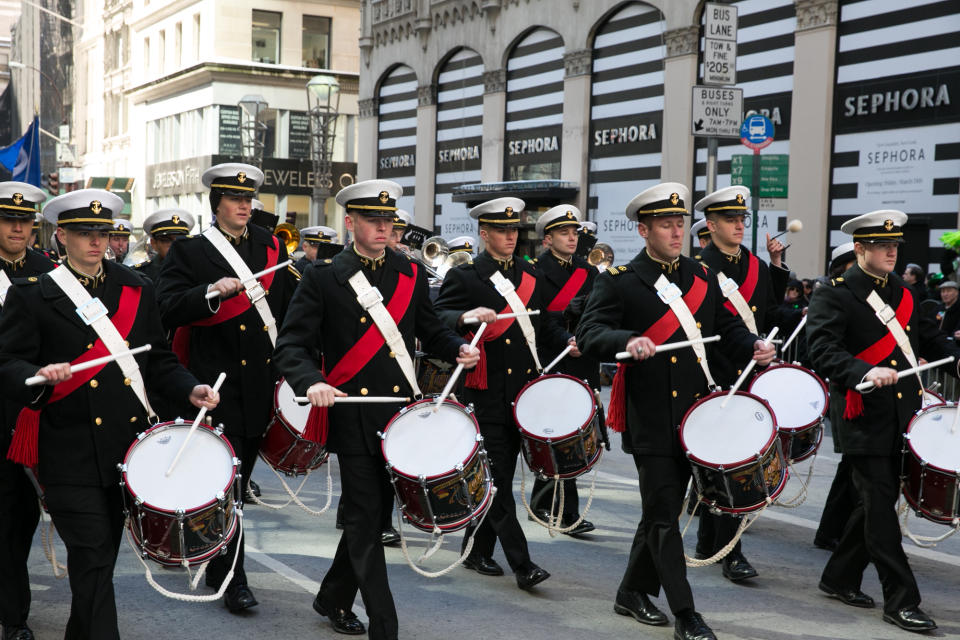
(397, 132)
(896, 125)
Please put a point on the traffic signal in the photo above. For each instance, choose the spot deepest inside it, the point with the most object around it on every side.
(53, 183)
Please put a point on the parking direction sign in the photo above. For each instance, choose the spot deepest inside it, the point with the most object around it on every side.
(717, 111)
(756, 132)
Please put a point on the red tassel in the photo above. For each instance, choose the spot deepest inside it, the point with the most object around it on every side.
(854, 405)
(617, 411)
(477, 377)
(181, 345)
(318, 425)
(23, 447)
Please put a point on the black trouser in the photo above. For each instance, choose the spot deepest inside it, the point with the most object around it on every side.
(90, 522)
(246, 449)
(386, 519)
(873, 535)
(502, 442)
(656, 557)
(19, 514)
(716, 530)
(359, 563)
(840, 503)
(542, 494)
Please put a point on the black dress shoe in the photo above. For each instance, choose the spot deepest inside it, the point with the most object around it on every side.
(850, 596)
(911, 619)
(239, 597)
(531, 576)
(483, 566)
(823, 542)
(17, 633)
(343, 621)
(638, 605)
(254, 489)
(585, 526)
(690, 626)
(389, 537)
(737, 568)
(543, 514)
(699, 554)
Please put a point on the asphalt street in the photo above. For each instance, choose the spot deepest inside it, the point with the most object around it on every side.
(289, 550)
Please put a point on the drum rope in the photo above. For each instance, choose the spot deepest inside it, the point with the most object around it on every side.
(468, 547)
(294, 495)
(551, 521)
(801, 496)
(186, 597)
(745, 522)
(903, 509)
(46, 542)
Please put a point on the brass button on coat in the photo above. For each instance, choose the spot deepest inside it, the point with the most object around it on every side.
(364, 391)
(94, 383)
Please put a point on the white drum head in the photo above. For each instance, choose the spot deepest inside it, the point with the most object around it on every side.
(726, 436)
(421, 442)
(931, 438)
(203, 471)
(795, 395)
(293, 412)
(554, 407)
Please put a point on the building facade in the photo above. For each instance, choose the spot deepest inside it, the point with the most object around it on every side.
(590, 102)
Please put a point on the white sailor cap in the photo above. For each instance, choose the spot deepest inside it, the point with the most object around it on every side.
(169, 222)
(885, 225)
(699, 229)
(233, 178)
(37, 219)
(499, 211)
(401, 219)
(462, 243)
(84, 209)
(319, 234)
(372, 198)
(588, 227)
(729, 201)
(257, 205)
(121, 227)
(560, 216)
(839, 254)
(665, 199)
(20, 200)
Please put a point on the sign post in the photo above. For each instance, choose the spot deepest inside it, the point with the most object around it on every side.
(719, 68)
(756, 132)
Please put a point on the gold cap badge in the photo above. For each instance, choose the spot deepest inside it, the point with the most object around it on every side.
(888, 225)
(384, 196)
(176, 219)
(739, 198)
(241, 177)
(674, 198)
(17, 198)
(570, 215)
(509, 212)
(96, 207)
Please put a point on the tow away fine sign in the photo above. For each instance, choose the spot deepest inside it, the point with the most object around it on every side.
(717, 112)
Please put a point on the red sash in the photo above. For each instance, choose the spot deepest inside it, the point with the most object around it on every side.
(569, 290)
(477, 378)
(876, 352)
(23, 447)
(749, 283)
(360, 354)
(228, 310)
(658, 332)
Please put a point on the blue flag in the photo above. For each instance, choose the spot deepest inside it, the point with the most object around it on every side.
(22, 158)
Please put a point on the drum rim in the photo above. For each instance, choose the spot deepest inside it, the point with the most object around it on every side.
(775, 435)
(451, 527)
(530, 383)
(465, 410)
(906, 436)
(173, 423)
(823, 387)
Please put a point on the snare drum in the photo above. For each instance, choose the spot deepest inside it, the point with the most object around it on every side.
(190, 514)
(557, 417)
(438, 465)
(799, 400)
(283, 446)
(735, 453)
(931, 464)
(432, 374)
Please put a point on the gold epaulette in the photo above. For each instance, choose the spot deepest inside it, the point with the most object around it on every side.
(612, 271)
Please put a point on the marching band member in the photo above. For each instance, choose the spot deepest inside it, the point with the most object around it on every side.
(864, 327)
(700, 233)
(498, 281)
(120, 238)
(163, 226)
(754, 292)
(261, 217)
(339, 339)
(233, 333)
(401, 220)
(80, 426)
(627, 310)
(316, 244)
(566, 280)
(19, 511)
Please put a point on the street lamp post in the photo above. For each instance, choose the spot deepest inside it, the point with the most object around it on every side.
(252, 130)
(323, 104)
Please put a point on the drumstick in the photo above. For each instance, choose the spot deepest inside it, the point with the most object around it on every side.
(503, 316)
(553, 363)
(863, 386)
(359, 400)
(213, 294)
(793, 335)
(670, 346)
(193, 427)
(456, 372)
(35, 380)
(747, 370)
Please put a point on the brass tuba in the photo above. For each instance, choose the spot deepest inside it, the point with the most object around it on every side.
(288, 235)
(601, 256)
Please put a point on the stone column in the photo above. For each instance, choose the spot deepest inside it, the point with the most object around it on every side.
(367, 125)
(574, 161)
(426, 152)
(494, 120)
(811, 133)
(679, 75)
